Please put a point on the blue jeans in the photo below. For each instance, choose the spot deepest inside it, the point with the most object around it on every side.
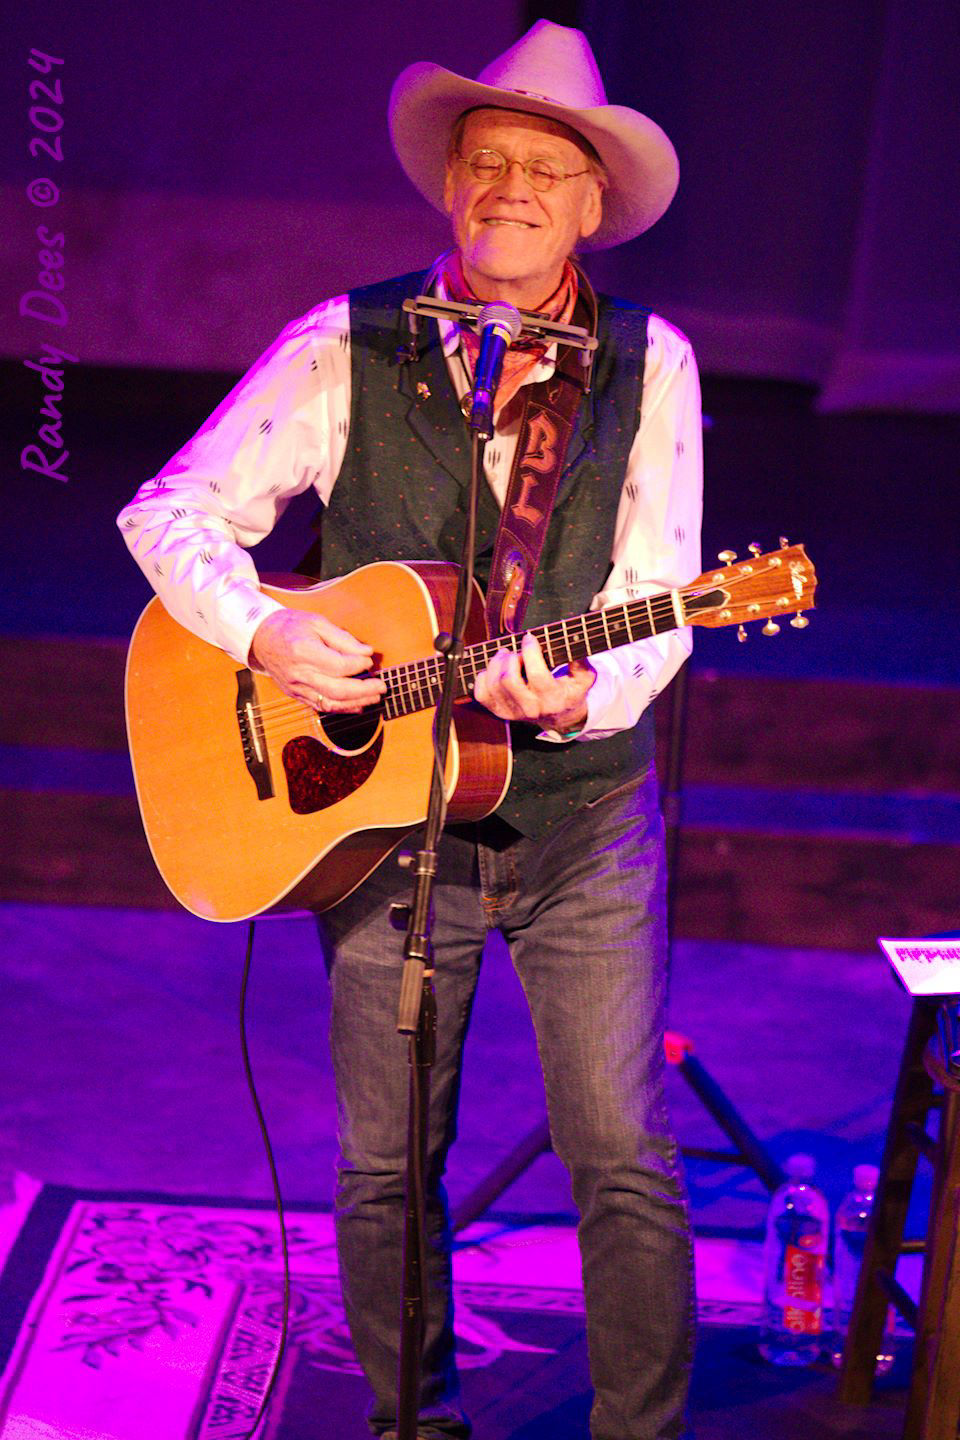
(582, 911)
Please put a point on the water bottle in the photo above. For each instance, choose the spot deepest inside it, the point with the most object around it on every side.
(795, 1253)
(850, 1237)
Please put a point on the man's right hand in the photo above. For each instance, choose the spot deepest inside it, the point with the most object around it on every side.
(313, 660)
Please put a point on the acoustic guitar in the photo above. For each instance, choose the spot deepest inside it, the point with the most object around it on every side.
(253, 802)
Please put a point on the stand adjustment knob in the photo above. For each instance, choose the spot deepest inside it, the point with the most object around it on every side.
(399, 915)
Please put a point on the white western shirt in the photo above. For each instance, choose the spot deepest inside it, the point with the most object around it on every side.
(284, 428)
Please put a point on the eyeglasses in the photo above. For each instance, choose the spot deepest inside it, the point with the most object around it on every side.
(489, 166)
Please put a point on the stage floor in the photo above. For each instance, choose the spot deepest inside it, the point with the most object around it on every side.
(122, 1076)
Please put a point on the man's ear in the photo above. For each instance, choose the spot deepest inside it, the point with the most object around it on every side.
(448, 190)
(592, 210)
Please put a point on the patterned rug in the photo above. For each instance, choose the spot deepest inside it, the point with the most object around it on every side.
(134, 1317)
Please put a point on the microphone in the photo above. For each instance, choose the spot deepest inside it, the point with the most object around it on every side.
(498, 325)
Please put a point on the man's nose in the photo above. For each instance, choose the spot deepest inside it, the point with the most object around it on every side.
(514, 183)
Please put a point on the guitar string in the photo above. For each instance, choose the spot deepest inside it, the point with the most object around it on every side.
(597, 621)
(342, 727)
(273, 720)
(288, 717)
(409, 685)
(419, 680)
(405, 681)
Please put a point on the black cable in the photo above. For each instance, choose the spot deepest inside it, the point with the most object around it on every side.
(276, 1187)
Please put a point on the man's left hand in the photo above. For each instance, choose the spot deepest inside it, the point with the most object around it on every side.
(520, 687)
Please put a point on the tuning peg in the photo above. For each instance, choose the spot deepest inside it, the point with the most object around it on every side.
(727, 557)
(784, 543)
(755, 549)
(741, 634)
(771, 628)
(799, 622)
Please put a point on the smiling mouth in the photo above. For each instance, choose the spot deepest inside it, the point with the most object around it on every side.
(515, 224)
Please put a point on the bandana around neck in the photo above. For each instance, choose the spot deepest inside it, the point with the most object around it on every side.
(525, 354)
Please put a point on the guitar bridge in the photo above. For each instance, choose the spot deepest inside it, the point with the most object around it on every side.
(250, 724)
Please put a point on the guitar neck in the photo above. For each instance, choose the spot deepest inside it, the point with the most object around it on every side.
(416, 685)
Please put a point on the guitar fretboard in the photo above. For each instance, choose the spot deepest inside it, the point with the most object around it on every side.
(416, 685)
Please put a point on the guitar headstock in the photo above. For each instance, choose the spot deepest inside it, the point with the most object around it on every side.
(781, 582)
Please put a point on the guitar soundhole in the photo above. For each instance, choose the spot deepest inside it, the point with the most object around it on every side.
(317, 777)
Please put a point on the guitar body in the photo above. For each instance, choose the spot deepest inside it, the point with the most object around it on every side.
(253, 802)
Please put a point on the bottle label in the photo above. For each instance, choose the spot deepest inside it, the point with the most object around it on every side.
(803, 1285)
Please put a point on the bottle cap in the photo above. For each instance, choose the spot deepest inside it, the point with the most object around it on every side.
(800, 1167)
(865, 1178)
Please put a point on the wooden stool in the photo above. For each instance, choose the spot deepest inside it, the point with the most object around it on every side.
(933, 1407)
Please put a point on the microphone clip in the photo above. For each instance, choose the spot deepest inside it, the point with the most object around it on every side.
(409, 353)
(531, 322)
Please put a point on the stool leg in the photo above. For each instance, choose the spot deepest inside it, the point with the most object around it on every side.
(911, 1101)
(933, 1407)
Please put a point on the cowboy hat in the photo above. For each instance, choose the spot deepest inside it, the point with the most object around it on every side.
(549, 71)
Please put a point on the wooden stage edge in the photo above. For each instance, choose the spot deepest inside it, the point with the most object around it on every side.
(825, 890)
(816, 891)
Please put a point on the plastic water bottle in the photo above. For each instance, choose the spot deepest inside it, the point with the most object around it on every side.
(795, 1253)
(850, 1237)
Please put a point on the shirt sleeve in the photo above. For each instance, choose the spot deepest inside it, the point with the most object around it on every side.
(657, 534)
(281, 430)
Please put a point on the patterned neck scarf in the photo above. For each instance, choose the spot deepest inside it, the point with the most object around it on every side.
(525, 354)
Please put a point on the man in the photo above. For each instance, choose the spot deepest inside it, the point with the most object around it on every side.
(529, 162)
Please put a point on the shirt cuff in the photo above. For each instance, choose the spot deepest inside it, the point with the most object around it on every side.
(598, 699)
(240, 611)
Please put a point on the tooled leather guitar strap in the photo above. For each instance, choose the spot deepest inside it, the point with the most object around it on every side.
(546, 425)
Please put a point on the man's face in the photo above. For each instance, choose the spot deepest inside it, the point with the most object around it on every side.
(513, 239)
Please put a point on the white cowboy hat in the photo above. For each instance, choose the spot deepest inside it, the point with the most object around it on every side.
(550, 71)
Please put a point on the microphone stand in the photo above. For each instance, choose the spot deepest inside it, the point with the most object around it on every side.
(417, 1013)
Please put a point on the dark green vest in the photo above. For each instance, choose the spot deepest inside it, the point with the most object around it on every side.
(401, 494)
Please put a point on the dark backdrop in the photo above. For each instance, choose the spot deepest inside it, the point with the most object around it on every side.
(226, 168)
